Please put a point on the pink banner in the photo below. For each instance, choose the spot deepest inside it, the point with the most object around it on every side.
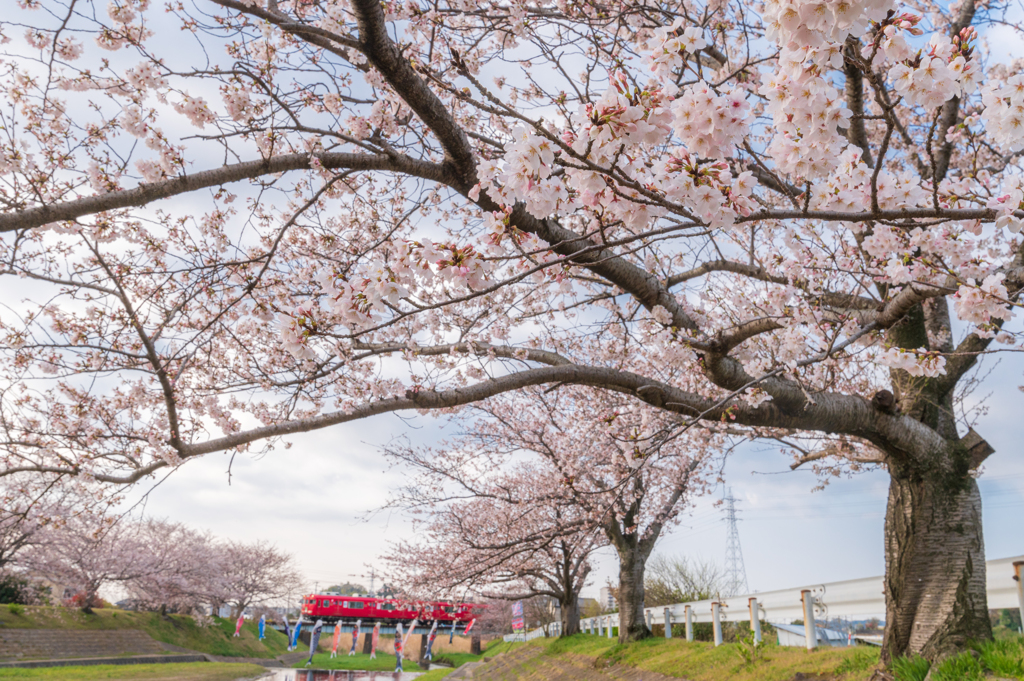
(373, 645)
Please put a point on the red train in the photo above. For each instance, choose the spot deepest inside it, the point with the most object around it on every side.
(384, 610)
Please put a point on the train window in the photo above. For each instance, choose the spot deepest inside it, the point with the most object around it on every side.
(387, 606)
(354, 604)
(449, 609)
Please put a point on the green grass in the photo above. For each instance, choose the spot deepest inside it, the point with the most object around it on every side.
(178, 671)
(704, 662)
(963, 667)
(913, 668)
(1002, 658)
(495, 647)
(434, 675)
(179, 630)
(383, 663)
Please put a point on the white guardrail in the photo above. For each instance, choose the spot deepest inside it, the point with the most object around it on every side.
(851, 598)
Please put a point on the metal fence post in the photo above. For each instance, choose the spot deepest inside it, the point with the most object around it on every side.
(668, 622)
(600, 626)
(649, 616)
(716, 617)
(810, 633)
(1018, 574)
(755, 620)
(689, 623)
(609, 627)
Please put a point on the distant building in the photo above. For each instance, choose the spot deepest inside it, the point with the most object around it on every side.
(607, 600)
(794, 635)
(554, 608)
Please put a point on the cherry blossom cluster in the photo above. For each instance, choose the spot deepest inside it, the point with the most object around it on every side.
(372, 292)
(921, 362)
(807, 112)
(944, 72)
(1007, 202)
(710, 124)
(813, 24)
(890, 36)
(670, 47)
(1003, 113)
(983, 303)
(708, 189)
(620, 117)
(526, 175)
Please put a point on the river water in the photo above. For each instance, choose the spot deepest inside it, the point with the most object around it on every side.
(335, 675)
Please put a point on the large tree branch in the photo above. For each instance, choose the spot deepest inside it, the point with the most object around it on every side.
(385, 56)
(830, 412)
(149, 192)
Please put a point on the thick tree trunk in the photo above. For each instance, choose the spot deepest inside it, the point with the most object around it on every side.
(632, 623)
(570, 614)
(935, 566)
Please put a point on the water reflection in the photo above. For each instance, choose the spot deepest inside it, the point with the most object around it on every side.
(335, 675)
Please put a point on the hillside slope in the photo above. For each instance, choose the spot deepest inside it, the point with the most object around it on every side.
(178, 630)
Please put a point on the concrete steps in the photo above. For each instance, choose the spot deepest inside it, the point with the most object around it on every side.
(49, 644)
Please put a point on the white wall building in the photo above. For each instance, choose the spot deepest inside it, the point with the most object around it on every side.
(607, 600)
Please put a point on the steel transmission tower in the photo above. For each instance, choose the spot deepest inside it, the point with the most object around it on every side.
(735, 571)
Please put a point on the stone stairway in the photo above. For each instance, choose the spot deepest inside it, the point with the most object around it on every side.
(49, 644)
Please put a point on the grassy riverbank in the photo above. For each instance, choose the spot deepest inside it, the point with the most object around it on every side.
(179, 630)
(587, 656)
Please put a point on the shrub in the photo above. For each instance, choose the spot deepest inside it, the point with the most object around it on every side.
(86, 602)
(18, 589)
(15, 608)
(750, 650)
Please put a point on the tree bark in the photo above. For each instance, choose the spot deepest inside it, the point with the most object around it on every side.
(570, 614)
(632, 623)
(935, 566)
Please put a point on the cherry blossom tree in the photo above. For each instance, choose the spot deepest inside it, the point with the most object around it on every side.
(256, 573)
(800, 218)
(599, 464)
(87, 552)
(191, 571)
(504, 542)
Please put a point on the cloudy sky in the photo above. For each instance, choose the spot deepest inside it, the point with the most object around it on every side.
(313, 499)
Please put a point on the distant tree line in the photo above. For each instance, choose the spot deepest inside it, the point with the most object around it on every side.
(64, 553)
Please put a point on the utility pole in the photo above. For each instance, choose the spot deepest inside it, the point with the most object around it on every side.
(372, 575)
(735, 571)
